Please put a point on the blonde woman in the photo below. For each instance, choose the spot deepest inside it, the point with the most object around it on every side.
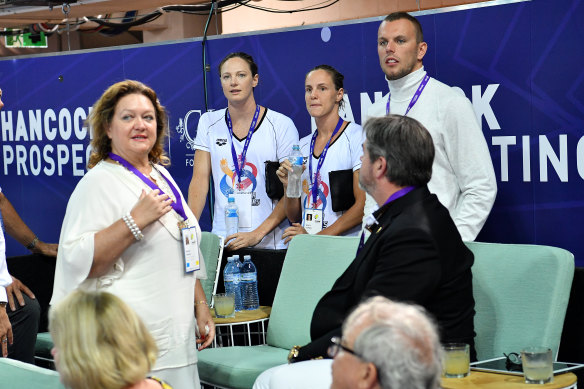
(101, 343)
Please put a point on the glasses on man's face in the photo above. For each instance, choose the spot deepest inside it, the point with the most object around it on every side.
(336, 346)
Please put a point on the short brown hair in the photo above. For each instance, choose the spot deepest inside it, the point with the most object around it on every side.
(404, 15)
(103, 112)
(253, 67)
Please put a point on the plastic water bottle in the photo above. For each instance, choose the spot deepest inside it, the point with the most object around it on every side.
(294, 188)
(238, 265)
(249, 284)
(237, 262)
(231, 217)
(231, 280)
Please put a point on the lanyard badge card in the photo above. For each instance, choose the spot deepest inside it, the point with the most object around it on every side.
(190, 249)
(313, 220)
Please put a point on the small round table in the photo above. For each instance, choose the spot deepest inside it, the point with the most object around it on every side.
(487, 380)
(241, 325)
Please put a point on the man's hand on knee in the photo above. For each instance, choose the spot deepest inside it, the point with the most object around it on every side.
(15, 290)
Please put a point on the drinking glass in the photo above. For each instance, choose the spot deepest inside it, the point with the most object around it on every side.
(224, 305)
(456, 360)
(538, 365)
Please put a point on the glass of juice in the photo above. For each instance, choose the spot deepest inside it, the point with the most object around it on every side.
(456, 360)
(224, 305)
(538, 365)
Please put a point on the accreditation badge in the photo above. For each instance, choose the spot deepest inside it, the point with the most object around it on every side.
(243, 201)
(190, 249)
(313, 220)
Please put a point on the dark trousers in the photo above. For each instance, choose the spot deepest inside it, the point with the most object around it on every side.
(25, 325)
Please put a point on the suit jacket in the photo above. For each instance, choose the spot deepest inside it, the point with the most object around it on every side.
(415, 254)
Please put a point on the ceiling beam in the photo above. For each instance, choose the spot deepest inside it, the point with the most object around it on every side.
(21, 16)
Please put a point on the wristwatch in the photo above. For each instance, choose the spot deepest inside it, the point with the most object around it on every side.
(294, 351)
(33, 243)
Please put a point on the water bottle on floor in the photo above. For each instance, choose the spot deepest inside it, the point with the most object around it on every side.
(294, 188)
(231, 280)
(231, 217)
(249, 284)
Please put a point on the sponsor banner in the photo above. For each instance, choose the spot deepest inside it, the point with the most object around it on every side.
(517, 61)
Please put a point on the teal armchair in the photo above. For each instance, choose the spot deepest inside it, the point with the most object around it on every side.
(20, 375)
(312, 265)
(521, 294)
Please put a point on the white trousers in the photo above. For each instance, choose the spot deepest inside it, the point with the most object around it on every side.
(186, 377)
(315, 374)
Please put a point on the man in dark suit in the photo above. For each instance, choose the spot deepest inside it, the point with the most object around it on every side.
(414, 254)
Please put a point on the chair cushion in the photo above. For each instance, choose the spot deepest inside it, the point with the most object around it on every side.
(238, 367)
(43, 345)
(312, 265)
(521, 294)
(20, 375)
(211, 249)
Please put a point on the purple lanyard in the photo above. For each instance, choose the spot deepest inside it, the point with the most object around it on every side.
(395, 196)
(314, 187)
(176, 205)
(414, 99)
(239, 168)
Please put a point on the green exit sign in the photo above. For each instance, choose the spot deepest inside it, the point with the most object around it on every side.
(26, 40)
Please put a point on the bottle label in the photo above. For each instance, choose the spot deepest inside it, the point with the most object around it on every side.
(249, 276)
(230, 278)
(296, 160)
(232, 213)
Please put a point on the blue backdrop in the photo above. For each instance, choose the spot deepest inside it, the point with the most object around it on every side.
(519, 63)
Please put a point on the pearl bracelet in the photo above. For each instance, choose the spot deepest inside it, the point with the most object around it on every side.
(129, 220)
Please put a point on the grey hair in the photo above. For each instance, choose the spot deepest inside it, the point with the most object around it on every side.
(401, 341)
(406, 146)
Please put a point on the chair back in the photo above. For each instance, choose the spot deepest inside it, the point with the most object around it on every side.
(212, 248)
(19, 375)
(521, 294)
(312, 265)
